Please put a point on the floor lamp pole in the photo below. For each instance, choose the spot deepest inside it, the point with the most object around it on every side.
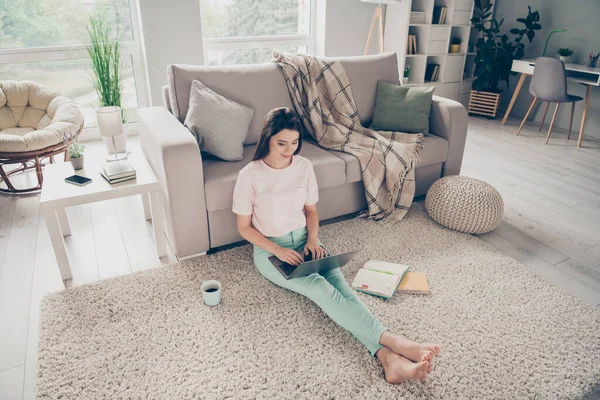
(377, 18)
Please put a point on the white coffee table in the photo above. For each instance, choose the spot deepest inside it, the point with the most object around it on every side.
(57, 194)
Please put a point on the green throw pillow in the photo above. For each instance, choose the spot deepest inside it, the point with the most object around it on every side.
(401, 108)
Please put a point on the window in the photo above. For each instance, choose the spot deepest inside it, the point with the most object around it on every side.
(44, 41)
(246, 31)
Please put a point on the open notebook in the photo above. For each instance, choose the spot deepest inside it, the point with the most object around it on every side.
(379, 278)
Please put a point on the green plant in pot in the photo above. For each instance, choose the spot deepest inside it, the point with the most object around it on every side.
(565, 54)
(104, 50)
(74, 150)
(455, 45)
(495, 51)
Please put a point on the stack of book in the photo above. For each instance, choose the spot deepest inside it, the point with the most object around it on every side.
(411, 45)
(417, 17)
(432, 72)
(439, 15)
(118, 171)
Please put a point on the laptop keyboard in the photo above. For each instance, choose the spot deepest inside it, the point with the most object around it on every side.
(287, 268)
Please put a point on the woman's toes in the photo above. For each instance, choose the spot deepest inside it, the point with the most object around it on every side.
(427, 356)
(430, 368)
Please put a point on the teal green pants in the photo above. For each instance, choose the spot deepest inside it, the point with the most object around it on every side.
(329, 291)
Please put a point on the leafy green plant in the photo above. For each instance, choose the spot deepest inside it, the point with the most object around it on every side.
(494, 51)
(456, 40)
(406, 71)
(104, 50)
(565, 52)
(74, 148)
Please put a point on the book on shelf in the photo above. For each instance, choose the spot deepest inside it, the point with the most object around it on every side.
(414, 283)
(411, 45)
(439, 15)
(417, 17)
(379, 278)
(432, 72)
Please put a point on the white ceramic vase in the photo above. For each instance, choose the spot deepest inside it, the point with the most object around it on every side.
(564, 59)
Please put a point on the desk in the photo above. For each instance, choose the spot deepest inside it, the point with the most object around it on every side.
(578, 73)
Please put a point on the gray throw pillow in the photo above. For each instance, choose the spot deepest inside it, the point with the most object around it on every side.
(402, 108)
(220, 125)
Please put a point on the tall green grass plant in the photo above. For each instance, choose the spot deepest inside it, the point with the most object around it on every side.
(104, 50)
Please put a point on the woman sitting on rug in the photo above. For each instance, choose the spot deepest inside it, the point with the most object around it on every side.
(284, 184)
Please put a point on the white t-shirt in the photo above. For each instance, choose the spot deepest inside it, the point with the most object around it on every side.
(276, 197)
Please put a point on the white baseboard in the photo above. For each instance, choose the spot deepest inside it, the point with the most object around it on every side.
(191, 256)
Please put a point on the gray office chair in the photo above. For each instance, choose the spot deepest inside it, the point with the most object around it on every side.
(549, 83)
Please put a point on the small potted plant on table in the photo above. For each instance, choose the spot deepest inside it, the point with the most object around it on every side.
(565, 54)
(74, 150)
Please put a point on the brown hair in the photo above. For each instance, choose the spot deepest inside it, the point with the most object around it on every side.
(277, 120)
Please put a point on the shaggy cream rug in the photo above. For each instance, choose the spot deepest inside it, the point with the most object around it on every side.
(505, 333)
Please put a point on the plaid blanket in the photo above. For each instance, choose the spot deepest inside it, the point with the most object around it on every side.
(322, 96)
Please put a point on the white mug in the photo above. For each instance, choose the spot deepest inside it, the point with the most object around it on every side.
(213, 297)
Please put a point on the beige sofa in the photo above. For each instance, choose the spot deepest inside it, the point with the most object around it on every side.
(198, 189)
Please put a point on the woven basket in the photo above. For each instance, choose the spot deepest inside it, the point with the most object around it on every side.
(464, 204)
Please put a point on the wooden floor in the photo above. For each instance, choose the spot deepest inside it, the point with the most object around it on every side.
(552, 214)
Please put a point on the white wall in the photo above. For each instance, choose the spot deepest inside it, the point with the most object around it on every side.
(580, 19)
(172, 34)
(347, 24)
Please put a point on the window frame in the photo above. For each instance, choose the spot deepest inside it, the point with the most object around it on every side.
(261, 42)
(133, 49)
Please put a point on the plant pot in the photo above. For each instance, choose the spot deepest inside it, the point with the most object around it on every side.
(77, 163)
(454, 48)
(485, 103)
(564, 59)
(405, 80)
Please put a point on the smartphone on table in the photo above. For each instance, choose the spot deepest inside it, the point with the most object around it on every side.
(78, 180)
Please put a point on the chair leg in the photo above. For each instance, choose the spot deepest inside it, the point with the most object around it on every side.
(552, 123)
(571, 121)
(544, 117)
(527, 115)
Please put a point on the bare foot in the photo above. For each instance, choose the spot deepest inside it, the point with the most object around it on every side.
(412, 350)
(400, 369)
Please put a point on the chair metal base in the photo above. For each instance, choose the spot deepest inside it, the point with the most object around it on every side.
(28, 160)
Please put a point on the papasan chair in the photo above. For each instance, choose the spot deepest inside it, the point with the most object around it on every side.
(33, 120)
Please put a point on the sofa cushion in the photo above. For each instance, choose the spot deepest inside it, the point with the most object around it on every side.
(402, 108)
(434, 151)
(258, 86)
(220, 176)
(263, 88)
(220, 125)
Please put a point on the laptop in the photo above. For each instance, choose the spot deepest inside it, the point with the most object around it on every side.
(310, 266)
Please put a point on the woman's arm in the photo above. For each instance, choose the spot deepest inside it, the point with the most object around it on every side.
(312, 223)
(244, 225)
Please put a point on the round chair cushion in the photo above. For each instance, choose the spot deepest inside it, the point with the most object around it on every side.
(32, 117)
(464, 204)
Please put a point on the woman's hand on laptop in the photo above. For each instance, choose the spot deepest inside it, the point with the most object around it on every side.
(289, 256)
(316, 250)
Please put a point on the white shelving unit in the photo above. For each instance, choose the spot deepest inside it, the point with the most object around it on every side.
(433, 45)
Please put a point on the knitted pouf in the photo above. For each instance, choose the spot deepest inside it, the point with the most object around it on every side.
(464, 204)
